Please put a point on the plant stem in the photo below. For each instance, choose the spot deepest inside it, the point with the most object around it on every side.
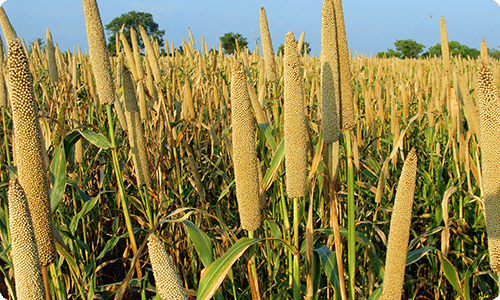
(335, 222)
(6, 140)
(121, 190)
(46, 282)
(351, 224)
(252, 269)
(147, 204)
(296, 270)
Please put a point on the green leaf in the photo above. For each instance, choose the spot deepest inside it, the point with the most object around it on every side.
(361, 238)
(329, 263)
(415, 255)
(85, 209)
(275, 230)
(377, 294)
(110, 244)
(278, 157)
(97, 139)
(451, 273)
(266, 128)
(316, 275)
(470, 270)
(58, 172)
(201, 241)
(70, 140)
(226, 190)
(213, 275)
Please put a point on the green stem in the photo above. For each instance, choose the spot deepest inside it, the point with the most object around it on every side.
(254, 282)
(351, 224)
(286, 223)
(121, 189)
(6, 140)
(296, 270)
(147, 204)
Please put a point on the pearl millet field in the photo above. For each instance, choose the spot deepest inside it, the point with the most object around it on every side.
(199, 174)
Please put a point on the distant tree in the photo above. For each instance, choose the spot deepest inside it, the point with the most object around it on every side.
(38, 41)
(409, 48)
(404, 49)
(228, 41)
(456, 49)
(306, 45)
(495, 53)
(133, 19)
(389, 53)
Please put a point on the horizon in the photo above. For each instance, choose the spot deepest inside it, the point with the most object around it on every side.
(370, 27)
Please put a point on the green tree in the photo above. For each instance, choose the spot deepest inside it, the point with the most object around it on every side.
(456, 49)
(404, 49)
(39, 41)
(495, 53)
(228, 41)
(389, 53)
(409, 48)
(133, 19)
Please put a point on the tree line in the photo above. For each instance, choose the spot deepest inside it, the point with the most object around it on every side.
(411, 49)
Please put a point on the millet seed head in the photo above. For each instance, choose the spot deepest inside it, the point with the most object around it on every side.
(295, 122)
(28, 151)
(244, 154)
(8, 31)
(489, 123)
(99, 57)
(267, 47)
(399, 233)
(347, 115)
(51, 58)
(27, 271)
(330, 77)
(135, 131)
(167, 281)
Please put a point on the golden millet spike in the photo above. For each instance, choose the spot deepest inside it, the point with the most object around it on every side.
(244, 153)
(167, 281)
(99, 57)
(489, 123)
(27, 271)
(267, 47)
(399, 233)
(347, 115)
(330, 81)
(28, 149)
(135, 131)
(295, 122)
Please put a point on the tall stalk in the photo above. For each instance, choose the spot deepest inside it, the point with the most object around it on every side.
(121, 189)
(351, 221)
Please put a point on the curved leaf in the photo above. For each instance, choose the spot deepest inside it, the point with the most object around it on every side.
(58, 172)
(416, 255)
(361, 238)
(213, 275)
(329, 263)
(451, 273)
(377, 294)
(201, 241)
(96, 138)
(278, 157)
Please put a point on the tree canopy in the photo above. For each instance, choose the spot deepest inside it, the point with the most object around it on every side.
(456, 49)
(133, 19)
(228, 41)
(412, 49)
(404, 49)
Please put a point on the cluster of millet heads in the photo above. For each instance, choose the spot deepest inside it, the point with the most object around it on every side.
(489, 122)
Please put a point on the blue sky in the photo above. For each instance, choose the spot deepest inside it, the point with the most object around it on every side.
(372, 26)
